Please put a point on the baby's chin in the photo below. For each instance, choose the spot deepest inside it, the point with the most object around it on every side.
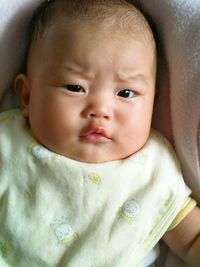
(91, 153)
(94, 158)
(91, 159)
(97, 159)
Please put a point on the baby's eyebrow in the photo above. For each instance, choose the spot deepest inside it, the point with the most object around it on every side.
(73, 67)
(79, 69)
(122, 76)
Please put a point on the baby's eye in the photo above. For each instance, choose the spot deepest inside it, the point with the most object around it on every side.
(74, 88)
(127, 93)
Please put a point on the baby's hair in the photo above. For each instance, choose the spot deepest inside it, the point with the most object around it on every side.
(124, 13)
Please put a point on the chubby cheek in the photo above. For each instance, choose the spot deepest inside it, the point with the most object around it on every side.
(134, 138)
(52, 122)
(135, 131)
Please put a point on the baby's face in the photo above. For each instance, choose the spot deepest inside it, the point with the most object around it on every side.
(90, 93)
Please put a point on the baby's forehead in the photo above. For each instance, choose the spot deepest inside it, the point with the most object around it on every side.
(114, 25)
(109, 16)
(104, 32)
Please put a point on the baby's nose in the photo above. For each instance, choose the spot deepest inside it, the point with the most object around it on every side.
(98, 111)
(99, 114)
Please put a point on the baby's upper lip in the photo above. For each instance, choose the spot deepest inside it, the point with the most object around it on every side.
(95, 130)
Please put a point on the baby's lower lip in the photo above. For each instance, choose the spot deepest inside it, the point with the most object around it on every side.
(95, 137)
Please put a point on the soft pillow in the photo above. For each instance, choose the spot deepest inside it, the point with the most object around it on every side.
(14, 16)
(178, 24)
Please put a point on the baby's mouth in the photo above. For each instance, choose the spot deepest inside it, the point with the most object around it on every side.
(97, 135)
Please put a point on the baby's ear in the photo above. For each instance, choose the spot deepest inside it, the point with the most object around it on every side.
(23, 91)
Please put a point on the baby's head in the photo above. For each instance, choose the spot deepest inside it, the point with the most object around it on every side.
(89, 85)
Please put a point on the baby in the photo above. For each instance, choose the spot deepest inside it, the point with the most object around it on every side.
(85, 181)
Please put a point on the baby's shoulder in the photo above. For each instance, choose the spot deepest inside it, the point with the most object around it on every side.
(14, 131)
(159, 144)
(162, 159)
(9, 115)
